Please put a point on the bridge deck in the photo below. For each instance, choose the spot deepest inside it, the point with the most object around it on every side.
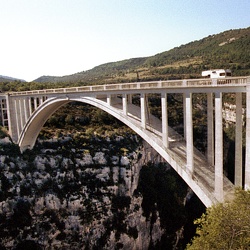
(204, 174)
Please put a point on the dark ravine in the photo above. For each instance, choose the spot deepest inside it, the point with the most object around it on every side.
(97, 196)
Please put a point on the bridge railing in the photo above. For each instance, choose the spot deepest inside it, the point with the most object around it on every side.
(215, 82)
(232, 81)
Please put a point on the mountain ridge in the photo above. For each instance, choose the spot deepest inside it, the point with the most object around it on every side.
(228, 49)
(8, 78)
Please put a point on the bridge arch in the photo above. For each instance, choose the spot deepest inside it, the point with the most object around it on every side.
(37, 120)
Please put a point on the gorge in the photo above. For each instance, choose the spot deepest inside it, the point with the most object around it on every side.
(84, 190)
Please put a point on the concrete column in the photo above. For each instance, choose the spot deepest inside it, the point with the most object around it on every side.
(218, 148)
(143, 110)
(210, 129)
(26, 109)
(184, 115)
(247, 161)
(164, 111)
(189, 133)
(125, 104)
(109, 100)
(238, 141)
(40, 100)
(22, 112)
(17, 112)
(130, 98)
(35, 103)
(30, 106)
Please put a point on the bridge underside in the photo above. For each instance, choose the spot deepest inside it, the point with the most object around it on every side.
(201, 180)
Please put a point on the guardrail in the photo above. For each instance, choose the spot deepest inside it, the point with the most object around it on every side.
(232, 81)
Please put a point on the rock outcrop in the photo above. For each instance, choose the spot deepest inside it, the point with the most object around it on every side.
(78, 198)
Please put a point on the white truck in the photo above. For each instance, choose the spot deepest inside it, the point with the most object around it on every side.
(217, 73)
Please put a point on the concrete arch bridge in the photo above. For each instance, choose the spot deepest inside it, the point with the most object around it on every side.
(24, 114)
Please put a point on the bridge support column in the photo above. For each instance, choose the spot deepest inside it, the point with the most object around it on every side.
(109, 100)
(22, 112)
(143, 110)
(184, 116)
(130, 98)
(247, 161)
(238, 141)
(27, 109)
(164, 111)
(218, 189)
(189, 133)
(35, 103)
(210, 129)
(30, 106)
(125, 104)
(17, 113)
(40, 100)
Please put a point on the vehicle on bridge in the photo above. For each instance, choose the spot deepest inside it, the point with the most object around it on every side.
(217, 73)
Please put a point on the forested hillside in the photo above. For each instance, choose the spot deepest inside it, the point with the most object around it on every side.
(7, 78)
(229, 49)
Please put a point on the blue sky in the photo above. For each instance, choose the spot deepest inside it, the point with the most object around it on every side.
(61, 37)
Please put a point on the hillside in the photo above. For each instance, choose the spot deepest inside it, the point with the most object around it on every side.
(7, 78)
(229, 49)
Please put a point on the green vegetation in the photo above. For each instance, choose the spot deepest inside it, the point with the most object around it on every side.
(3, 132)
(225, 226)
(83, 120)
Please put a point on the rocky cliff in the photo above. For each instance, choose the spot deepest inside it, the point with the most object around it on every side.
(78, 194)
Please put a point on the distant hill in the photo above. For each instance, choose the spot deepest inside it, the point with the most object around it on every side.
(7, 78)
(229, 49)
(106, 71)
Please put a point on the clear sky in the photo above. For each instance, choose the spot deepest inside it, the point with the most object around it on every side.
(62, 37)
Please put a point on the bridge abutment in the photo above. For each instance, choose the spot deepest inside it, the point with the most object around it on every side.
(3, 111)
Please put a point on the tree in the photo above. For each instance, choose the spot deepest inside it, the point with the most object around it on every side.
(225, 226)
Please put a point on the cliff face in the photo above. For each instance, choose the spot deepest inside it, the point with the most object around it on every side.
(61, 196)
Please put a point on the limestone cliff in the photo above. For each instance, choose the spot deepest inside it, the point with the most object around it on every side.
(63, 196)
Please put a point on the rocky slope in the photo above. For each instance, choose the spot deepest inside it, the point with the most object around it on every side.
(65, 196)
